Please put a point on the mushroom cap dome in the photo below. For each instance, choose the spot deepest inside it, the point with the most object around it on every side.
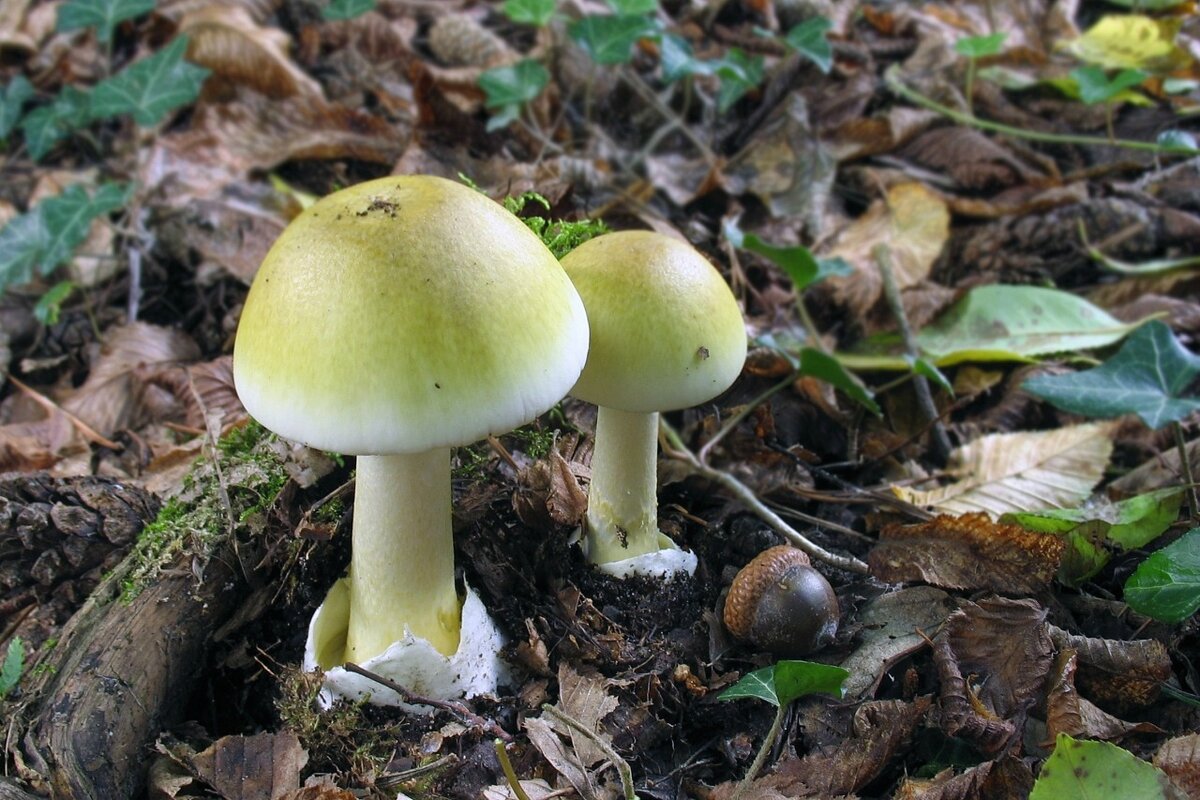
(403, 314)
(666, 331)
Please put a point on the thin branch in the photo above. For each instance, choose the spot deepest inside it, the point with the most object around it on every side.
(678, 450)
(87, 431)
(621, 764)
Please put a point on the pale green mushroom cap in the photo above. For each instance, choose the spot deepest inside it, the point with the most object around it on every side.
(404, 314)
(666, 331)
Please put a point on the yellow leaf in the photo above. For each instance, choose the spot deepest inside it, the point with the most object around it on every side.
(1132, 41)
(1012, 472)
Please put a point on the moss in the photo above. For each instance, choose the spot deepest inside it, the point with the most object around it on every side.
(224, 493)
(560, 236)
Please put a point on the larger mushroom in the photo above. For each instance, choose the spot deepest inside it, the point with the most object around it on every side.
(666, 333)
(393, 320)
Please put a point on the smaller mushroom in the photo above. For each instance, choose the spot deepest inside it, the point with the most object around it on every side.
(666, 334)
(779, 603)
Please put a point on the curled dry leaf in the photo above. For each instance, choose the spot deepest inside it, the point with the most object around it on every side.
(1180, 759)
(894, 626)
(548, 492)
(1007, 776)
(968, 156)
(35, 436)
(264, 765)
(1014, 472)
(228, 41)
(967, 552)
(912, 223)
(1067, 712)
(1117, 671)
(113, 396)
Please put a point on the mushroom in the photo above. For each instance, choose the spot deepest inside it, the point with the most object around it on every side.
(393, 320)
(666, 333)
(779, 603)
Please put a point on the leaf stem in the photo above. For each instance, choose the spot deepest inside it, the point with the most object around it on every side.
(1185, 467)
(891, 77)
(764, 751)
(510, 774)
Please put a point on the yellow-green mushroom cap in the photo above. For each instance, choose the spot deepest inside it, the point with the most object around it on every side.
(666, 331)
(404, 314)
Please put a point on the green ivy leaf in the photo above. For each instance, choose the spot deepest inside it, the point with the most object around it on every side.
(510, 87)
(1177, 139)
(980, 46)
(48, 234)
(787, 681)
(1096, 87)
(49, 306)
(1147, 377)
(1166, 586)
(346, 9)
(12, 100)
(810, 39)
(1087, 770)
(609, 38)
(151, 88)
(14, 663)
(529, 12)
(633, 6)
(801, 266)
(739, 73)
(676, 59)
(44, 127)
(103, 15)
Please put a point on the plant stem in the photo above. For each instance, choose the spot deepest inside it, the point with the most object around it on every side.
(1185, 468)
(509, 773)
(896, 85)
(622, 766)
(764, 751)
(970, 87)
(402, 554)
(622, 515)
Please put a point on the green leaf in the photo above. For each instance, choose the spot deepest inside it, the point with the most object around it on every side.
(922, 367)
(609, 38)
(1147, 377)
(810, 39)
(103, 15)
(633, 6)
(676, 59)
(48, 234)
(14, 662)
(1148, 5)
(151, 88)
(1016, 323)
(787, 681)
(46, 126)
(738, 73)
(1096, 87)
(1176, 138)
(49, 306)
(1087, 770)
(801, 266)
(1166, 586)
(980, 46)
(346, 9)
(529, 12)
(824, 366)
(12, 100)
(510, 87)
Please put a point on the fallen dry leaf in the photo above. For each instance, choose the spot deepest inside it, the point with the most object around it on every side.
(911, 223)
(967, 552)
(894, 626)
(1126, 673)
(1007, 776)
(1180, 759)
(1067, 712)
(1016, 472)
(228, 41)
(258, 767)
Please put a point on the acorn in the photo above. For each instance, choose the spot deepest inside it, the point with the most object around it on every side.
(780, 604)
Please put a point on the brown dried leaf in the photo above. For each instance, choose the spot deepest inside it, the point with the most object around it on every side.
(548, 492)
(912, 223)
(113, 396)
(1117, 671)
(38, 441)
(584, 696)
(967, 552)
(1156, 473)
(1180, 759)
(12, 23)
(228, 41)
(258, 767)
(1067, 712)
(1007, 776)
(894, 626)
(969, 157)
(1017, 472)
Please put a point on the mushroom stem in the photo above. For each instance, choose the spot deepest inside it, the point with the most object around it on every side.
(622, 515)
(402, 562)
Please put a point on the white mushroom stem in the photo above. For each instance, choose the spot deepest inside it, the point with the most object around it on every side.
(402, 554)
(622, 515)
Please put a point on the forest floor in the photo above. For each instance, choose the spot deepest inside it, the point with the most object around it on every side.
(920, 207)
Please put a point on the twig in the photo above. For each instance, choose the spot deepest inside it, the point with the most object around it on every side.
(86, 430)
(941, 441)
(1185, 466)
(459, 710)
(509, 773)
(894, 83)
(760, 759)
(745, 411)
(621, 764)
(678, 450)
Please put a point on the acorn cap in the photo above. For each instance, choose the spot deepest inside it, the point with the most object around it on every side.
(666, 331)
(404, 314)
